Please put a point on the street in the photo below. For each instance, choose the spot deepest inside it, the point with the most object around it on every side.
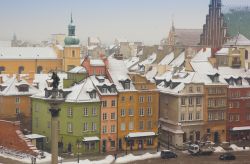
(241, 157)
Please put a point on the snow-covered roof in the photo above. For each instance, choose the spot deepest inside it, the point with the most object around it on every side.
(79, 92)
(132, 61)
(222, 51)
(241, 128)
(94, 138)
(104, 82)
(94, 40)
(96, 62)
(202, 55)
(141, 134)
(238, 40)
(27, 53)
(92, 47)
(179, 60)
(60, 47)
(150, 60)
(152, 73)
(118, 71)
(78, 69)
(11, 87)
(34, 136)
(167, 59)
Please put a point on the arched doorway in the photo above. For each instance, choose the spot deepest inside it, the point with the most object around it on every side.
(216, 137)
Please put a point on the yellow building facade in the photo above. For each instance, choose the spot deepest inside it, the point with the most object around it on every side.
(26, 60)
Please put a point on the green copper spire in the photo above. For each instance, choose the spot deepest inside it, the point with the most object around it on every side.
(71, 39)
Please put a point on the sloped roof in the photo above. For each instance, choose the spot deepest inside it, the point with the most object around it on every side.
(167, 59)
(79, 93)
(118, 71)
(78, 69)
(27, 53)
(238, 40)
(12, 88)
(188, 37)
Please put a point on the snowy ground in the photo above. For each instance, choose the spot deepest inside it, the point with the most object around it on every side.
(28, 160)
(125, 159)
(131, 157)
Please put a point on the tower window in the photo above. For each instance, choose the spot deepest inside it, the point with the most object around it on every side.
(73, 53)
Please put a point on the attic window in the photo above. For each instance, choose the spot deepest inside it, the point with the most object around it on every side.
(23, 88)
(112, 90)
(239, 81)
(104, 90)
(127, 85)
(92, 95)
(231, 81)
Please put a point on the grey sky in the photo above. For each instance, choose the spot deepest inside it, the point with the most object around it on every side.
(136, 20)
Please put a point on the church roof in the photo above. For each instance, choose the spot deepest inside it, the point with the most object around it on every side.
(27, 53)
(187, 37)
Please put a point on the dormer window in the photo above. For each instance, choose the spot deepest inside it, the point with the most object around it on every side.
(127, 85)
(216, 79)
(239, 81)
(92, 95)
(104, 90)
(231, 81)
(112, 90)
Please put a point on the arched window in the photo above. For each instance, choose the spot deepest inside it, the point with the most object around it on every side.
(20, 69)
(246, 54)
(39, 69)
(73, 53)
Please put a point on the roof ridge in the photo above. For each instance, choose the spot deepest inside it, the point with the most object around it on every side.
(81, 89)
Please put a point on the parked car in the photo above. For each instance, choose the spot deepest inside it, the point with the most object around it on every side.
(168, 154)
(227, 156)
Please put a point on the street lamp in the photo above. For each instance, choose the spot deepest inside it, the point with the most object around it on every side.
(127, 139)
(78, 144)
(158, 134)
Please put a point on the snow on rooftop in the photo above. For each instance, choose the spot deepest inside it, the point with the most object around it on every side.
(150, 60)
(96, 62)
(222, 51)
(141, 134)
(238, 40)
(12, 88)
(80, 92)
(34, 136)
(5, 43)
(202, 55)
(27, 53)
(131, 62)
(94, 138)
(118, 71)
(78, 69)
(179, 60)
(167, 59)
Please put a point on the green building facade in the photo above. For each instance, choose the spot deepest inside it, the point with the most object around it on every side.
(79, 120)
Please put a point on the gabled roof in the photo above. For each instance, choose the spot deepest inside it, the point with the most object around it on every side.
(79, 93)
(11, 88)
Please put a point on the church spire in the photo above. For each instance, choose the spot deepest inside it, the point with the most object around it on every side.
(71, 19)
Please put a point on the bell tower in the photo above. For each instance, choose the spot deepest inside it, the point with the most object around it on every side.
(71, 53)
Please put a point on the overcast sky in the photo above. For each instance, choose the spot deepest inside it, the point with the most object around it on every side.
(136, 20)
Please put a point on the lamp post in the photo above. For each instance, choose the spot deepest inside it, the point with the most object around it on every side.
(158, 134)
(78, 144)
(127, 138)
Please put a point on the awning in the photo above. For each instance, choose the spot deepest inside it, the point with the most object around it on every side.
(34, 136)
(87, 139)
(141, 134)
(241, 128)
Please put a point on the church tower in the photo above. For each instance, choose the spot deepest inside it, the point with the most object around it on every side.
(215, 30)
(71, 54)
